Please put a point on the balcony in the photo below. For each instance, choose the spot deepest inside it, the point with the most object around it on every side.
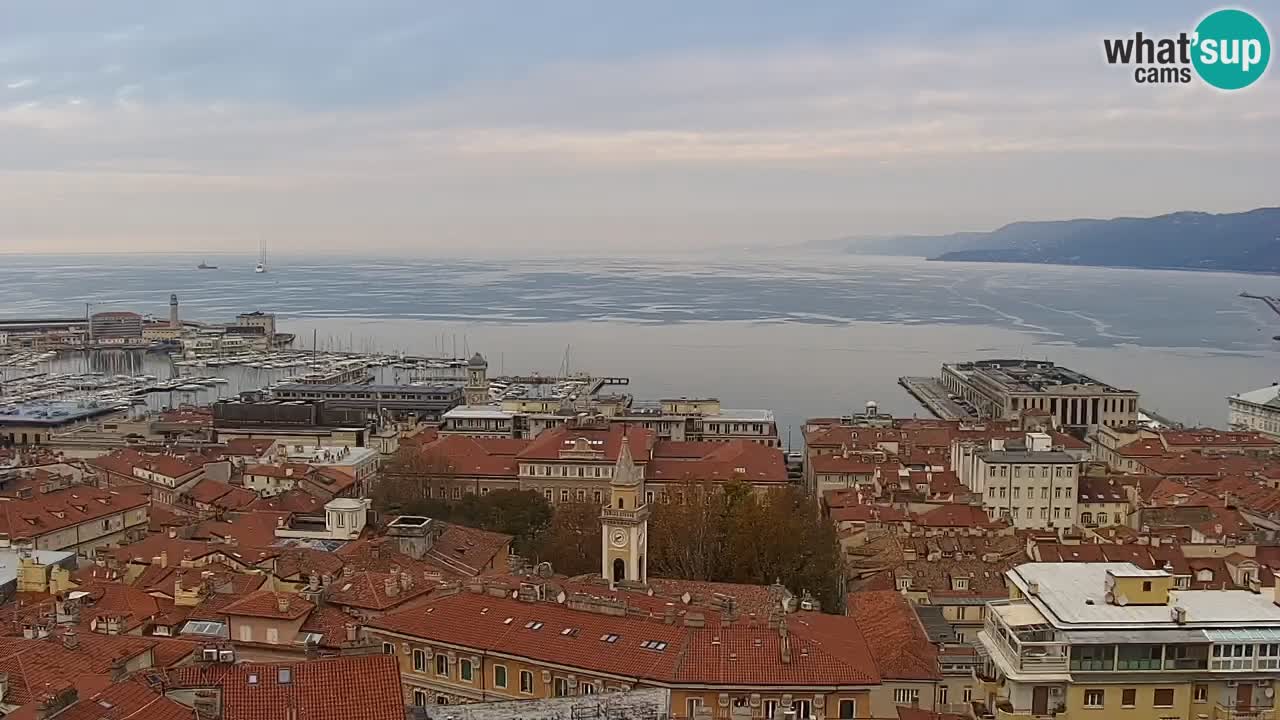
(1250, 712)
(1023, 641)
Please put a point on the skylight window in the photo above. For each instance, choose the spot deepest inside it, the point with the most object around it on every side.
(533, 625)
(609, 638)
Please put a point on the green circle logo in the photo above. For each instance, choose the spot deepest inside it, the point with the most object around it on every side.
(1231, 49)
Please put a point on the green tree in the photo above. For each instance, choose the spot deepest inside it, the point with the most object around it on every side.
(571, 543)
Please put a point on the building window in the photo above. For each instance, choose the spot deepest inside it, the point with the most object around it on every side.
(1044, 513)
(1269, 656)
(1129, 697)
(273, 635)
(1139, 657)
(942, 695)
(1232, 657)
(547, 494)
(803, 709)
(991, 491)
(1044, 493)
(692, 705)
(648, 497)
(419, 698)
(770, 709)
(442, 665)
(419, 661)
(500, 676)
(1094, 698)
(388, 649)
(1201, 693)
(1017, 491)
(1162, 697)
(564, 496)
(1093, 657)
(580, 495)
(849, 708)
(597, 497)
(993, 471)
(588, 689)
(464, 670)
(967, 695)
(526, 682)
(560, 687)
(1086, 518)
(1002, 493)
(1102, 520)
(906, 696)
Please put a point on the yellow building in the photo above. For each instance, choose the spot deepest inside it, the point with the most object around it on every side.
(1111, 640)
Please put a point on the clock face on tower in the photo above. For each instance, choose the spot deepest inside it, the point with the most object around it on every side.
(618, 537)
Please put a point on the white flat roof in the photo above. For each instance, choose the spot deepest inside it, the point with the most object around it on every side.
(478, 413)
(1262, 396)
(741, 415)
(1073, 595)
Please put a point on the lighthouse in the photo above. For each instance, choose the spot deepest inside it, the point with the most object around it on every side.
(174, 323)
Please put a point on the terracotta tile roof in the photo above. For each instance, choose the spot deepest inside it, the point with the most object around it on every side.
(870, 513)
(1145, 447)
(129, 700)
(824, 649)
(283, 471)
(368, 590)
(248, 447)
(468, 551)
(32, 665)
(332, 479)
(471, 457)
(1171, 492)
(737, 459)
(551, 442)
(207, 490)
(123, 462)
(44, 513)
(266, 604)
(294, 501)
(1211, 438)
(958, 515)
(330, 623)
(839, 464)
(893, 632)
(237, 499)
(1100, 490)
(250, 529)
(300, 562)
(320, 689)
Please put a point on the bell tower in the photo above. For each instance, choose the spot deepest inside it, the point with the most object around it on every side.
(476, 391)
(624, 522)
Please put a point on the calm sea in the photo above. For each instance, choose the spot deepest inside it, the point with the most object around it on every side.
(801, 335)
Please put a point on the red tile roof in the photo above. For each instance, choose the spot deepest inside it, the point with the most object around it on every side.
(45, 513)
(266, 604)
(1100, 490)
(471, 457)
(123, 462)
(734, 460)
(893, 632)
(249, 447)
(296, 501)
(129, 700)
(825, 650)
(958, 515)
(32, 665)
(551, 442)
(368, 590)
(364, 686)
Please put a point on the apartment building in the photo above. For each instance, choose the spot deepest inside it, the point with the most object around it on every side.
(1002, 389)
(1030, 482)
(1112, 640)
(1256, 410)
(56, 515)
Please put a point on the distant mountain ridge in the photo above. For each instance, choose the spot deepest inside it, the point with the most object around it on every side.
(1246, 241)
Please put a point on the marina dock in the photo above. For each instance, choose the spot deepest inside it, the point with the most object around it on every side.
(935, 398)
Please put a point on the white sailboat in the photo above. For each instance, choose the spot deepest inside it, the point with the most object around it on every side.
(261, 267)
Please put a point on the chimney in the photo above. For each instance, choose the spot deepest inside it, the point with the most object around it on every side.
(164, 558)
(70, 640)
(282, 602)
(391, 587)
(119, 669)
(351, 629)
(348, 571)
(406, 582)
(313, 581)
(173, 533)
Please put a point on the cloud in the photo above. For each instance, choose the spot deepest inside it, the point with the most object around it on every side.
(801, 137)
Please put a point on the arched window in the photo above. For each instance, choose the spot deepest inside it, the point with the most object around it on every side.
(1102, 518)
(619, 570)
(1086, 518)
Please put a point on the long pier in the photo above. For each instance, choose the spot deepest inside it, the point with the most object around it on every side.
(1272, 302)
(934, 397)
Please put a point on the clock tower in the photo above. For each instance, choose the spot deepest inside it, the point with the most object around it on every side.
(625, 522)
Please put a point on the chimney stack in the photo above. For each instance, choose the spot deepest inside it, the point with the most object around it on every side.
(391, 587)
(282, 602)
(70, 640)
(351, 629)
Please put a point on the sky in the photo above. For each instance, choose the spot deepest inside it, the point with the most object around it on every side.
(580, 127)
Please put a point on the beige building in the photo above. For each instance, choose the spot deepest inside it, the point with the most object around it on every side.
(1031, 483)
(56, 515)
(1111, 640)
(1003, 389)
(1257, 410)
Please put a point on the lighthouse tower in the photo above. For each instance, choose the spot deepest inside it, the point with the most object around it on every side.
(174, 322)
